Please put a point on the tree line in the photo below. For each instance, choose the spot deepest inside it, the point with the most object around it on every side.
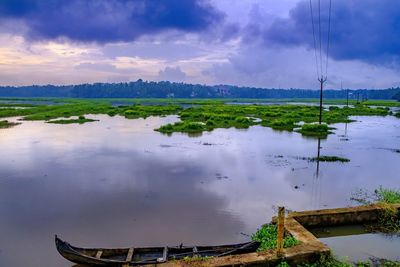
(165, 89)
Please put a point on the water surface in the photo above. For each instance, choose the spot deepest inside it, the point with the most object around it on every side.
(117, 182)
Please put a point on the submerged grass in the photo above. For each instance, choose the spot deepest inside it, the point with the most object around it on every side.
(7, 124)
(80, 120)
(267, 234)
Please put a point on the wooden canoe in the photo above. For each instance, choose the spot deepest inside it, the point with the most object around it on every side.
(148, 255)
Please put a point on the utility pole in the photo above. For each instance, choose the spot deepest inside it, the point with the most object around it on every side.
(322, 80)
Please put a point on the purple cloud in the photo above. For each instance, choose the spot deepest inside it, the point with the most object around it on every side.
(106, 21)
(366, 30)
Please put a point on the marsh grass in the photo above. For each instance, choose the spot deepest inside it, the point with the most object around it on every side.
(213, 113)
(267, 234)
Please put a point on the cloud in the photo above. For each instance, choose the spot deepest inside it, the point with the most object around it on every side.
(366, 30)
(172, 74)
(97, 66)
(294, 67)
(104, 21)
(167, 50)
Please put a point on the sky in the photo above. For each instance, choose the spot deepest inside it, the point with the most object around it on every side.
(257, 43)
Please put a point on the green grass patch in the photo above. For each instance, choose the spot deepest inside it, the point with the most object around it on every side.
(280, 124)
(267, 234)
(7, 124)
(389, 196)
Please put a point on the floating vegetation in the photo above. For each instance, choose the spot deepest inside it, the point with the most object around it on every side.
(280, 124)
(317, 130)
(267, 234)
(7, 124)
(324, 159)
(80, 120)
(329, 159)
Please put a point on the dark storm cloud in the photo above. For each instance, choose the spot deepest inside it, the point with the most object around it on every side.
(367, 30)
(108, 20)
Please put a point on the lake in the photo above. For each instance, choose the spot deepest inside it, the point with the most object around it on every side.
(117, 182)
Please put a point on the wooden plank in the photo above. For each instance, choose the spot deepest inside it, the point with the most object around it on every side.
(98, 254)
(281, 230)
(129, 256)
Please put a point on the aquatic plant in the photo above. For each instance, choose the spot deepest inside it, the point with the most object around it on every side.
(318, 130)
(329, 159)
(185, 127)
(280, 124)
(267, 235)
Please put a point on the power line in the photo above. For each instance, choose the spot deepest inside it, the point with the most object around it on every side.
(318, 37)
(320, 34)
(315, 41)
(329, 35)
(322, 77)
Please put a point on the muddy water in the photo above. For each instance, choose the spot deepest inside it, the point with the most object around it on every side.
(117, 182)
